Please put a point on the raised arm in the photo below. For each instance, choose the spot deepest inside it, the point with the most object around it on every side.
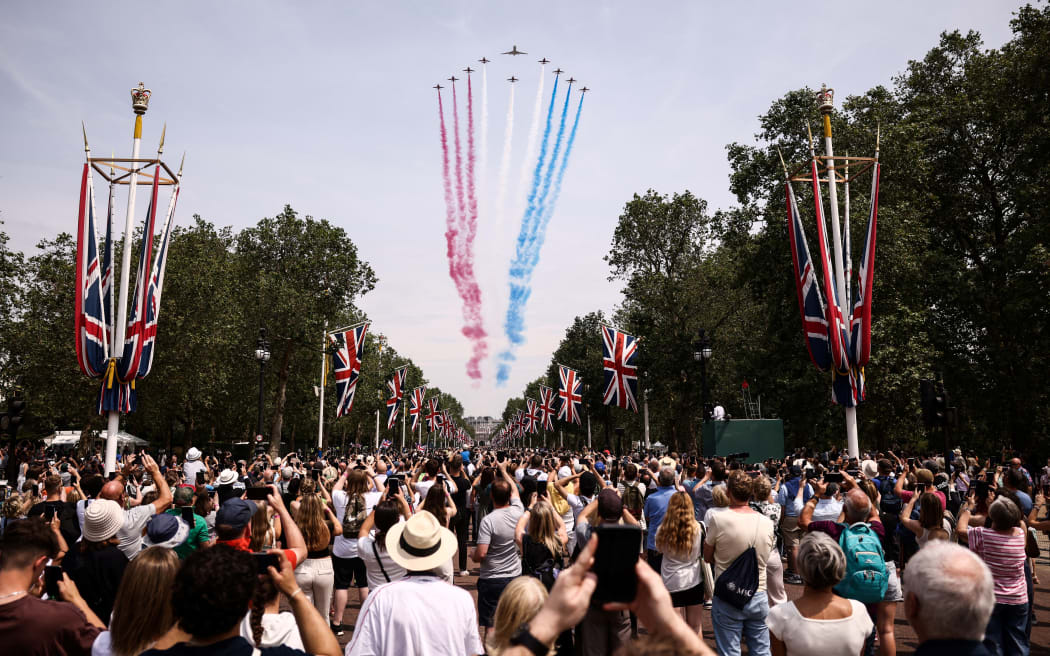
(164, 497)
(292, 536)
(912, 525)
(313, 628)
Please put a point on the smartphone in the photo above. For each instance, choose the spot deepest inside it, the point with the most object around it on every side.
(265, 560)
(834, 477)
(614, 562)
(989, 477)
(49, 513)
(112, 475)
(258, 493)
(393, 485)
(920, 488)
(52, 575)
(911, 462)
(981, 489)
(501, 456)
(200, 478)
(315, 474)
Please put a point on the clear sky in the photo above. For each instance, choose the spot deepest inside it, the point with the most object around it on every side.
(328, 107)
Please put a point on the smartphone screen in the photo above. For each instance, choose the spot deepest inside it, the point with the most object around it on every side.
(258, 493)
(315, 474)
(265, 560)
(49, 513)
(52, 575)
(614, 562)
(394, 485)
(989, 477)
(187, 516)
(200, 478)
(981, 489)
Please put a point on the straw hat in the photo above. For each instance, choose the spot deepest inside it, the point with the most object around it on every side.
(421, 543)
(227, 477)
(193, 454)
(102, 519)
(870, 468)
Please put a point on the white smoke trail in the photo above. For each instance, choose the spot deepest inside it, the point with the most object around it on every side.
(483, 145)
(504, 164)
(530, 146)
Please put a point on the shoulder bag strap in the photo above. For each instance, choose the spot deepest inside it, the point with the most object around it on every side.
(379, 560)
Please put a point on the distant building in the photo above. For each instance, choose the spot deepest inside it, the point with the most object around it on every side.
(483, 427)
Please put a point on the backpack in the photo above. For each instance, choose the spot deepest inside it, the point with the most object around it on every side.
(632, 499)
(738, 583)
(546, 570)
(891, 503)
(354, 516)
(866, 577)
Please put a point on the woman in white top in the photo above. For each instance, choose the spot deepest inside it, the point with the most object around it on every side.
(265, 625)
(379, 566)
(931, 522)
(829, 506)
(820, 621)
(678, 539)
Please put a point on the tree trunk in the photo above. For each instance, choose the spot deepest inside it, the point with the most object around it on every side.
(278, 406)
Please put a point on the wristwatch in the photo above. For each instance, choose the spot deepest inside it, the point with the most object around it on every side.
(522, 638)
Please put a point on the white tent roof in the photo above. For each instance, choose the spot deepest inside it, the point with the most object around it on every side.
(72, 438)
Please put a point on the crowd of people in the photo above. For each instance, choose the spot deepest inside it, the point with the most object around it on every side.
(575, 553)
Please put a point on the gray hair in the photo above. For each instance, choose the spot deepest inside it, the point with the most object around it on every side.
(666, 477)
(820, 561)
(1004, 514)
(935, 575)
(857, 506)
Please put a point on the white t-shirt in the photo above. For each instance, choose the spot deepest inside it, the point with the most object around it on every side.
(190, 469)
(278, 629)
(827, 510)
(416, 615)
(343, 546)
(130, 535)
(801, 635)
(372, 569)
(682, 574)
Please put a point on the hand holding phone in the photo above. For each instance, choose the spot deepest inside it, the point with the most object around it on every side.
(614, 562)
(52, 575)
(187, 515)
(264, 560)
(259, 493)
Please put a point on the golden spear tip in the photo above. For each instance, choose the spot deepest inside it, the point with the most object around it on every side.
(163, 131)
(878, 132)
(809, 131)
(84, 130)
(181, 163)
(782, 163)
(112, 155)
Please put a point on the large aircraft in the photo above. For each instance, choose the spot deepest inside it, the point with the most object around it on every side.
(438, 87)
(571, 80)
(483, 60)
(512, 79)
(468, 70)
(558, 71)
(515, 51)
(545, 61)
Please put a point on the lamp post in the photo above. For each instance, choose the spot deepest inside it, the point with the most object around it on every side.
(702, 354)
(262, 354)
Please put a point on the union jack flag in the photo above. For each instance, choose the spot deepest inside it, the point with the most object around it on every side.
(156, 286)
(621, 375)
(433, 416)
(385, 444)
(396, 385)
(546, 407)
(837, 326)
(90, 312)
(570, 398)
(128, 367)
(861, 319)
(532, 416)
(346, 365)
(447, 424)
(420, 448)
(810, 300)
(415, 411)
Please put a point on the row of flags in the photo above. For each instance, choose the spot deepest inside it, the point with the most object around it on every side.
(94, 314)
(620, 372)
(347, 355)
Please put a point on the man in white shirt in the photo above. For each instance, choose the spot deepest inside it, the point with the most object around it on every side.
(135, 519)
(192, 465)
(419, 614)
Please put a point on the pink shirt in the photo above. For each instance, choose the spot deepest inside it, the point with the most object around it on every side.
(1004, 555)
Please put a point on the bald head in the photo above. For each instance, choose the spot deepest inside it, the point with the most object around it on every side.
(857, 506)
(113, 490)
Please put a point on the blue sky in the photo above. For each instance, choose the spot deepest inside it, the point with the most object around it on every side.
(328, 107)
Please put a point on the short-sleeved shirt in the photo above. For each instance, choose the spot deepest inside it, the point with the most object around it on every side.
(1004, 555)
(802, 635)
(497, 531)
(130, 535)
(367, 550)
(198, 534)
(235, 646)
(416, 615)
(731, 533)
(34, 627)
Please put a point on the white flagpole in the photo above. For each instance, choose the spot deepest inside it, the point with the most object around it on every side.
(324, 374)
(852, 442)
(588, 431)
(645, 415)
(404, 415)
(120, 323)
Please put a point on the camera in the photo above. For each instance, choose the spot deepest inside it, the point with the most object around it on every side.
(743, 455)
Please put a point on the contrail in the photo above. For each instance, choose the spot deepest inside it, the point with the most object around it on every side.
(519, 285)
(460, 202)
(483, 156)
(534, 129)
(451, 230)
(504, 163)
(548, 177)
(473, 301)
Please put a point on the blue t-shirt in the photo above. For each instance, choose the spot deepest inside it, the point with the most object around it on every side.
(655, 509)
(1026, 502)
(787, 493)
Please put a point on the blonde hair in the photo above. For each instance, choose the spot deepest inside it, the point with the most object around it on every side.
(311, 523)
(521, 600)
(719, 496)
(142, 611)
(679, 529)
(543, 527)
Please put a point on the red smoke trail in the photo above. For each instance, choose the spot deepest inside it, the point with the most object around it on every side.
(477, 329)
(460, 257)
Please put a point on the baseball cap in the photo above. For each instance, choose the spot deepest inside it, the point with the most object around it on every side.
(236, 513)
(166, 531)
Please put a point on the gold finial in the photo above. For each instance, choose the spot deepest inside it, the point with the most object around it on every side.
(878, 131)
(181, 163)
(809, 131)
(163, 131)
(112, 156)
(84, 130)
(825, 98)
(782, 163)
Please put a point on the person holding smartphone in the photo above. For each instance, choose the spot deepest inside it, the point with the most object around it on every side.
(183, 508)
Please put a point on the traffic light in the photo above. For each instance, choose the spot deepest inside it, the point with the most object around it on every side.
(16, 406)
(934, 401)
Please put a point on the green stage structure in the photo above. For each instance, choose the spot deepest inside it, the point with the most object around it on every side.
(761, 438)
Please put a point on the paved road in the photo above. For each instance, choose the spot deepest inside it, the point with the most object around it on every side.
(906, 640)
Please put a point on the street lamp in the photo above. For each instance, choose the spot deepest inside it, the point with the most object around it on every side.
(702, 354)
(262, 354)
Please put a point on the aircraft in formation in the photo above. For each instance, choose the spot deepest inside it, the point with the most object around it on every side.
(512, 79)
(453, 79)
(584, 90)
(558, 71)
(515, 51)
(468, 70)
(571, 80)
(545, 61)
(438, 87)
(484, 61)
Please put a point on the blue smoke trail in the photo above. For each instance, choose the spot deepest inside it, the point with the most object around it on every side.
(549, 208)
(536, 227)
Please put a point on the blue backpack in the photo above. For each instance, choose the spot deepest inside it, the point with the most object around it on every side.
(866, 578)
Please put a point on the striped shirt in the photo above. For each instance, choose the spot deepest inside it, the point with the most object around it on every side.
(1004, 555)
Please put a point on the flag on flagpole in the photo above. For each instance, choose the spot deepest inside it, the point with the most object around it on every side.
(433, 416)
(416, 409)
(396, 385)
(621, 375)
(90, 320)
(346, 365)
(546, 407)
(569, 395)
